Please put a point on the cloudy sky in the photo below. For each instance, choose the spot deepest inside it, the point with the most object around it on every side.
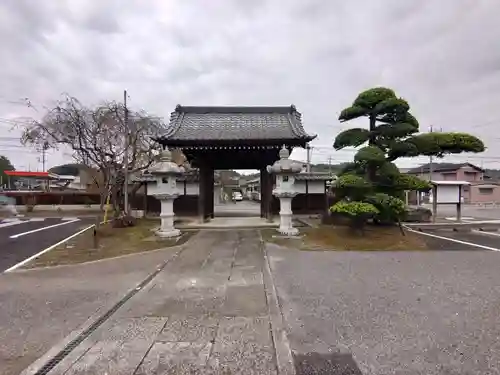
(442, 56)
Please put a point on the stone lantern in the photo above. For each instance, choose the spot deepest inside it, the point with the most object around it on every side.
(166, 172)
(285, 171)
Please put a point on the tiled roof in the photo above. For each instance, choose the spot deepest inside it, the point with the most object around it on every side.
(235, 123)
(442, 167)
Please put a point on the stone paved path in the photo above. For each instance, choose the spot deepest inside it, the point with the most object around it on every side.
(204, 313)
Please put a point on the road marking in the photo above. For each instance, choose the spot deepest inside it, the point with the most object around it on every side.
(486, 232)
(43, 228)
(454, 240)
(11, 222)
(9, 219)
(455, 219)
(20, 264)
(68, 218)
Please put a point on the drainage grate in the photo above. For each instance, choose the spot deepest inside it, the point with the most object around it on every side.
(325, 364)
(54, 361)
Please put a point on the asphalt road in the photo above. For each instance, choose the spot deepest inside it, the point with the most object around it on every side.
(406, 312)
(17, 249)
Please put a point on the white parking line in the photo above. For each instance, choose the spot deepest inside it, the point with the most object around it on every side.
(10, 222)
(453, 240)
(43, 228)
(466, 218)
(486, 233)
(20, 264)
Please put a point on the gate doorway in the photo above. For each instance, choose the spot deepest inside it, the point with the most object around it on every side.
(218, 138)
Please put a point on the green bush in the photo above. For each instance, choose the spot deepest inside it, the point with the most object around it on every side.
(391, 209)
(357, 212)
(354, 208)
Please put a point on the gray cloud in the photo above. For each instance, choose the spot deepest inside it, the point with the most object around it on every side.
(442, 56)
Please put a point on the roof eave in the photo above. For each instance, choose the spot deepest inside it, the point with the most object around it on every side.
(172, 142)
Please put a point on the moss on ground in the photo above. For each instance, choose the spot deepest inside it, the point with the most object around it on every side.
(340, 238)
(111, 242)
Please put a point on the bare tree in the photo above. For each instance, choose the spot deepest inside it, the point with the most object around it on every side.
(98, 138)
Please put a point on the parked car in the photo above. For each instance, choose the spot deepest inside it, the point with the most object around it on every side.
(237, 196)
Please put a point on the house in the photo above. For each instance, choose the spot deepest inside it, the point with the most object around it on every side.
(78, 177)
(482, 189)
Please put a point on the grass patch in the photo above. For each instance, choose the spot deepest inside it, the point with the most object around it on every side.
(340, 238)
(112, 242)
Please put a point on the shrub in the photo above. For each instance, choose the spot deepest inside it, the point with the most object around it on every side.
(357, 212)
(391, 209)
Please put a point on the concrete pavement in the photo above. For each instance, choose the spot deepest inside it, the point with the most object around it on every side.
(40, 307)
(205, 312)
(17, 249)
(243, 208)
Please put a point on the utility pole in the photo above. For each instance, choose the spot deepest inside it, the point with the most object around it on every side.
(330, 165)
(125, 172)
(308, 148)
(431, 166)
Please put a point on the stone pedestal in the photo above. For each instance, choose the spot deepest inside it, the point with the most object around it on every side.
(286, 215)
(167, 229)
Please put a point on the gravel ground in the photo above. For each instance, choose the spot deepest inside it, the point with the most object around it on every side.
(396, 312)
(38, 308)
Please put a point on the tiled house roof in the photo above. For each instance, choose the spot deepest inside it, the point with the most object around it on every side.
(235, 124)
(442, 167)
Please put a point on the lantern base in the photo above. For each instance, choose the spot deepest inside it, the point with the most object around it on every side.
(168, 233)
(288, 231)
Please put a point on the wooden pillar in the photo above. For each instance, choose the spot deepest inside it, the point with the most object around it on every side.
(212, 199)
(209, 212)
(263, 173)
(266, 193)
(202, 186)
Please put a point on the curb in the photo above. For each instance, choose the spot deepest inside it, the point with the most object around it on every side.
(284, 357)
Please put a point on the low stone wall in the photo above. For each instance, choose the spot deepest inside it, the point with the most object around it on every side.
(57, 208)
(304, 204)
(184, 205)
(59, 198)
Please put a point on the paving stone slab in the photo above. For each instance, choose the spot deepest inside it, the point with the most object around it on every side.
(189, 329)
(176, 358)
(243, 346)
(247, 300)
(246, 276)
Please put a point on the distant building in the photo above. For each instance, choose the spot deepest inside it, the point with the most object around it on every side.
(76, 177)
(481, 190)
